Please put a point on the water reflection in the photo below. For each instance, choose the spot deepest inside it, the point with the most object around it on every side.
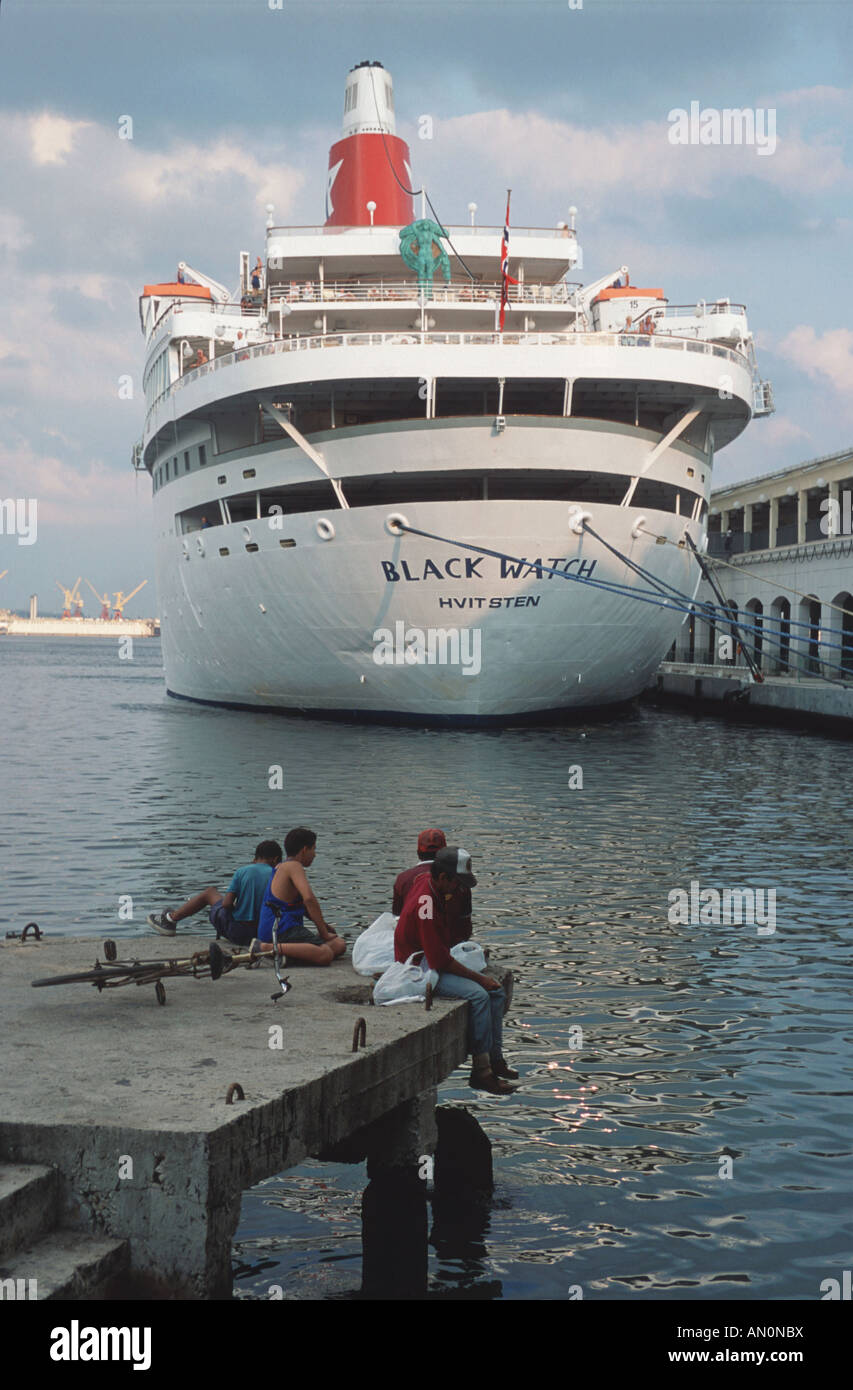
(695, 1042)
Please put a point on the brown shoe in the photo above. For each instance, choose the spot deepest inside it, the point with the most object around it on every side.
(487, 1081)
(501, 1068)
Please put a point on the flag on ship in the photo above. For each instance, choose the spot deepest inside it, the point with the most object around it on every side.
(506, 278)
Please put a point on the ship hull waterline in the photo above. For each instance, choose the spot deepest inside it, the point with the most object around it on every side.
(320, 627)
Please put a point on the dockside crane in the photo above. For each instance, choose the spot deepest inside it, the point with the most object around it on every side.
(103, 600)
(121, 598)
(70, 596)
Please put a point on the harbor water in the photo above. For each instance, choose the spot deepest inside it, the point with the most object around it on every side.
(683, 1126)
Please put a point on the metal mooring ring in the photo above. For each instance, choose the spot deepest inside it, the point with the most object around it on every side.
(235, 1089)
(359, 1034)
(32, 927)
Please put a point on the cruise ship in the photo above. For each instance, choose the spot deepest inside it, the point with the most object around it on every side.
(414, 470)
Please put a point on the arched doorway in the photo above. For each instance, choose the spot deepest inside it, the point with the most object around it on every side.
(808, 636)
(779, 636)
(755, 630)
(842, 635)
(729, 640)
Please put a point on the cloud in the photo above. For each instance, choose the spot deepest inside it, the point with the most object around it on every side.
(821, 97)
(52, 137)
(90, 494)
(67, 360)
(189, 171)
(780, 430)
(823, 357)
(14, 236)
(632, 160)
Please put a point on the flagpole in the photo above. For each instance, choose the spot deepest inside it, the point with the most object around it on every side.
(505, 263)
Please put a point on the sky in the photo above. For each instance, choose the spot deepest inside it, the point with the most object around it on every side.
(234, 104)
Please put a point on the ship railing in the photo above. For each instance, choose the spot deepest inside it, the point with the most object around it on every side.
(700, 309)
(234, 308)
(463, 229)
(312, 292)
(414, 338)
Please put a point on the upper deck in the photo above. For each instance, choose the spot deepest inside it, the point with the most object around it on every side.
(542, 253)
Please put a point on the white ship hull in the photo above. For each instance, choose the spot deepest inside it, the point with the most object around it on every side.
(299, 627)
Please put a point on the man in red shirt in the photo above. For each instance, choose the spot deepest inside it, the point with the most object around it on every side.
(429, 843)
(426, 924)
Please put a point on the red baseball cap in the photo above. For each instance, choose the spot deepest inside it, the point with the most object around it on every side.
(431, 839)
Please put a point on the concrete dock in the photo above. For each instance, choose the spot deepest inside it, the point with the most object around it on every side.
(787, 699)
(115, 1107)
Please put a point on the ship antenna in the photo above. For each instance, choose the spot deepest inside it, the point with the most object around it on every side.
(413, 192)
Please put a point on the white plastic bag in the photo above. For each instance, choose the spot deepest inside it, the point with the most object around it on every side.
(470, 954)
(374, 949)
(403, 981)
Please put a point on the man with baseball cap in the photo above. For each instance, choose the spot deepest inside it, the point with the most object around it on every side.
(425, 924)
(459, 909)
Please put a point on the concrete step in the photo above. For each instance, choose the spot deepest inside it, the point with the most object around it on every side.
(64, 1265)
(29, 1204)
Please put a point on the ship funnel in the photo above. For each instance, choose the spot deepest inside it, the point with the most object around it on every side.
(362, 164)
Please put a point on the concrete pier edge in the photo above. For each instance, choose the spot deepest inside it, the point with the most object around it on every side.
(96, 1079)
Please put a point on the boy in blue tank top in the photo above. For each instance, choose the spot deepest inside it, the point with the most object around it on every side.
(235, 913)
(289, 899)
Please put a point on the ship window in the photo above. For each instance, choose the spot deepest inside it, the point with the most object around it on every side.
(222, 478)
(510, 485)
(300, 497)
(252, 546)
(236, 430)
(397, 489)
(662, 497)
(175, 466)
(198, 518)
(477, 396)
(243, 507)
(248, 472)
(524, 396)
(288, 543)
(164, 472)
(186, 461)
(202, 456)
(223, 550)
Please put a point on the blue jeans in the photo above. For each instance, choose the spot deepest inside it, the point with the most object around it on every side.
(485, 1012)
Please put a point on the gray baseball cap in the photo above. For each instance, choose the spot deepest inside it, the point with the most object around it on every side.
(456, 863)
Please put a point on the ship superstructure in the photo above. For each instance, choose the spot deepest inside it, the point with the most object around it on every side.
(358, 388)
